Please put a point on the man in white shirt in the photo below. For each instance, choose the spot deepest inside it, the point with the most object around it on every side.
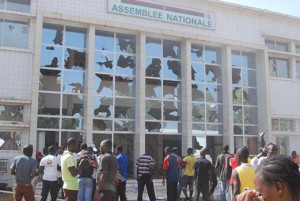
(48, 167)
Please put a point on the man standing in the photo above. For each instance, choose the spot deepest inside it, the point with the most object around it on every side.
(188, 174)
(48, 168)
(243, 175)
(106, 188)
(24, 168)
(122, 163)
(145, 164)
(203, 177)
(69, 171)
(224, 169)
(171, 167)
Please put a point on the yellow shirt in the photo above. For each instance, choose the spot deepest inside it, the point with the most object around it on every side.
(70, 182)
(246, 175)
(189, 165)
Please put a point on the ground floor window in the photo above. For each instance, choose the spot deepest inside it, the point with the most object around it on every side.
(10, 140)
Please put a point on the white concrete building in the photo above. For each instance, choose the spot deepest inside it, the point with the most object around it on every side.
(146, 74)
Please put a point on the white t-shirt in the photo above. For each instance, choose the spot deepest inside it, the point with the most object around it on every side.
(50, 163)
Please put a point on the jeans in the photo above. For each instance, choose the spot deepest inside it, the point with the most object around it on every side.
(25, 191)
(224, 190)
(145, 179)
(121, 191)
(85, 189)
(49, 186)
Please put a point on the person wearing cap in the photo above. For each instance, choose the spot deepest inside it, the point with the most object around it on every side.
(23, 167)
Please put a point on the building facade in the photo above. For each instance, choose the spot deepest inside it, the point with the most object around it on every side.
(147, 74)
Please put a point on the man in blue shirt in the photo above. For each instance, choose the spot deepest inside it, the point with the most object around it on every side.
(122, 163)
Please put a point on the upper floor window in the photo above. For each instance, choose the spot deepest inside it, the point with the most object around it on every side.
(13, 33)
(279, 67)
(282, 124)
(11, 113)
(276, 45)
(298, 70)
(297, 49)
(15, 5)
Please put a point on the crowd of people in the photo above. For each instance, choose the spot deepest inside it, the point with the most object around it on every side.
(84, 176)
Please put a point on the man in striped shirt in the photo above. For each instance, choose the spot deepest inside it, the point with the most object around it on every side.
(145, 164)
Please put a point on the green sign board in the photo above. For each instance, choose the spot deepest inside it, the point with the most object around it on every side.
(154, 10)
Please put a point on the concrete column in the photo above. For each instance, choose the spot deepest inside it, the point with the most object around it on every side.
(38, 22)
(89, 87)
(228, 136)
(140, 138)
(186, 91)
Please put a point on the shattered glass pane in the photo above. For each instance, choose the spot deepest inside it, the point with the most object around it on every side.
(11, 113)
(213, 74)
(18, 5)
(153, 67)
(171, 111)
(172, 69)
(50, 80)
(48, 122)
(72, 124)
(197, 53)
(153, 88)
(238, 114)
(250, 115)
(73, 82)
(52, 34)
(102, 125)
(51, 57)
(237, 95)
(124, 125)
(212, 55)
(198, 112)
(213, 93)
(126, 43)
(103, 107)
(153, 47)
(124, 108)
(248, 60)
(214, 113)
(171, 89)
(153, 126)
(73, 105)
(171, 49)
(198, 72)
(198, 129)
(249, 96)
(153, 110)
(15, 34)
(49, 104)
(171, 127)
(272, 67)
(103, 84)
(236, 59)
(104, 62)
(75, 59)
(198, 92)
(238, 130)
(104, 40)
(124, 86)
(251, 130)
(75, 37)
(236, 76)
(125, 64)
(214, 129)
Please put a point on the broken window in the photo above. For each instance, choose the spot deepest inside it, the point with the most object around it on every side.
(75, 37)
(212, 55)
(104, 62)
(103, 84)
(236, 76)
(50, 80)
(171, 69)
(250, 115)
(171, 89)
(51, 56)
(124, 86)
(126, 43)
(18, 5)
(9, 141)
(171, 49)
(238, 130)
(213, 74)
(153, 126)
(103, 107)
(73, 105)
(198, 112)
(11, 113)
(153, 47)
(153, 110)
(49, 104)
(124, 108)
(52, 34)
(73, 82)
(279, 67)
(104, 40)
(153, 88)
(125, 64)
(15, 34)
(102, 125)
(72, 124)
(198, 92)
(171, 111)
(237, 95)
(197, 53)
(249, 96)
(213, 93)
(214, 113)
(238, 114)
(153, 67)
(75, 59)
(298, 70)
(124, 125)
(198, 72)
(48, 122)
